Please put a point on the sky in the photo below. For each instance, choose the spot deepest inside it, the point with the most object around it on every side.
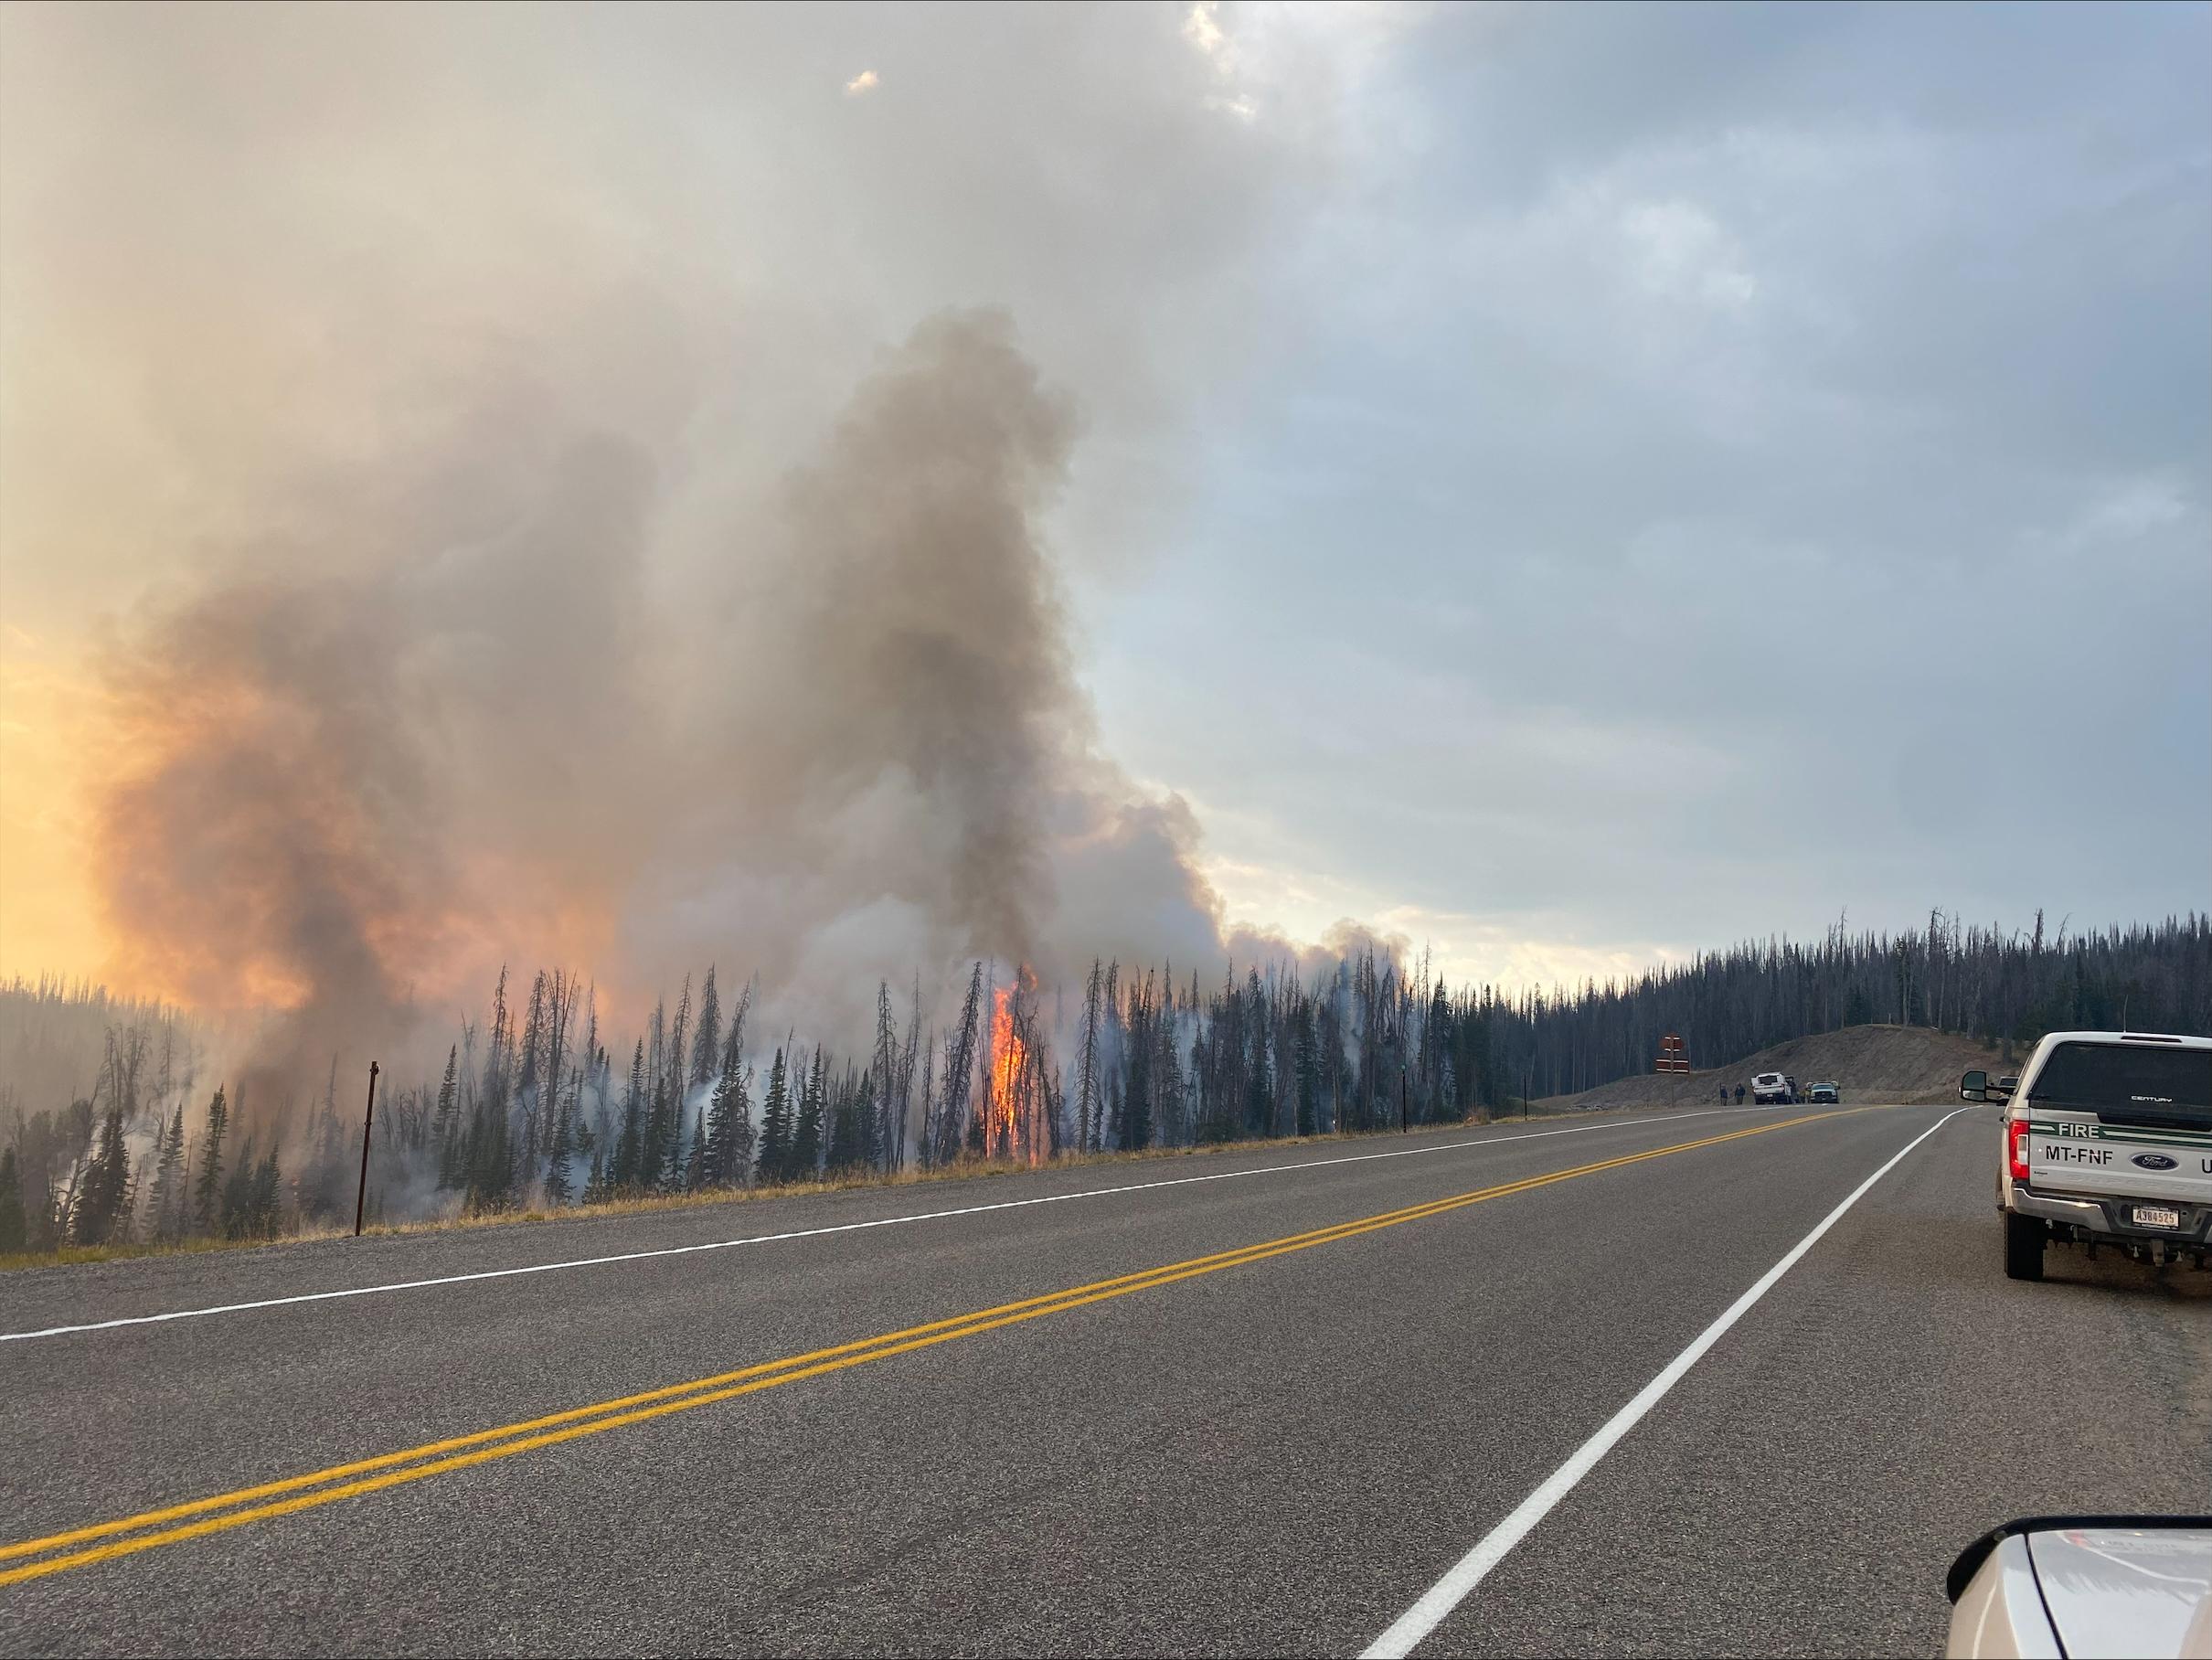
(1565, 486)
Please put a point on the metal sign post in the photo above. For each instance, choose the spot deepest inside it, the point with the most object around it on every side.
(361, 1194)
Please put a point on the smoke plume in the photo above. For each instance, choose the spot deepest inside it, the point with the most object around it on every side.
(541, 532)
(352, 795)
(909, 766)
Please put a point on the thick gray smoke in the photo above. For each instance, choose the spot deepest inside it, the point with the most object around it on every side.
(272, 836)
(540, 529)
(924, 639)
(354, 794)
(905, 771)
(345, 781)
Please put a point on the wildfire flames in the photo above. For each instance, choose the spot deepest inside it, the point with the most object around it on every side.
(1015, 1124)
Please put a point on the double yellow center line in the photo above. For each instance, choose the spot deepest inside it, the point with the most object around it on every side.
(57, 1553)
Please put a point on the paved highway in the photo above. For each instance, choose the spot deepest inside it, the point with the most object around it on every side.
(1320, 1399)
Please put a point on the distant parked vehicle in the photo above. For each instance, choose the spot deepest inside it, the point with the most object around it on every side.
(2108, 1141)
(1773, 1089)
(1824, 1093)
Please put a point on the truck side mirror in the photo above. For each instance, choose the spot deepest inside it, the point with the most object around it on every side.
(1974, 1086)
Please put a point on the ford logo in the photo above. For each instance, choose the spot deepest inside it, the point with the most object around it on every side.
(2152, 1160)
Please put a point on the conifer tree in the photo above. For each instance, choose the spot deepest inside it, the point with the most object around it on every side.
(739, 1138)
(806, 1141)
(530, 1085)
(490, 1173)
(926, 1149)
(444, 1126)
(671, 1154)
(628, 1173)
(715, 1117)
(208, 1189)
(15, 1223)
(1168, 1083)
(679, 1038)
(1307, 1061)
(730, 1130)
(238, 1194)
(958, 1073)
(1087, 1063)
(264, 1202)
(880, 1109)
(775, 1163)
(489, 1155)
(653, 1120)
(168, 1178)
(848, 1111)
(694, 1158)
(706, 1043)
(556, 1167)
(145, 1186)
(737, 1164)
(903, 1108)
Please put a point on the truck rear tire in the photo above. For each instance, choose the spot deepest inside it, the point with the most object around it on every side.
(2025, 1237)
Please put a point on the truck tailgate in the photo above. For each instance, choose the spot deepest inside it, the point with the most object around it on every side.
(2069, 1152)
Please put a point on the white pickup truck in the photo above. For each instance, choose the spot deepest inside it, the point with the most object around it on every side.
(2108, 1141)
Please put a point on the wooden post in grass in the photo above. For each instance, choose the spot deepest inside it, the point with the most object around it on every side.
(361, 1194)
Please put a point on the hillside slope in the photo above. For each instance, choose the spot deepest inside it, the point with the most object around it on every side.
(1884, 1063)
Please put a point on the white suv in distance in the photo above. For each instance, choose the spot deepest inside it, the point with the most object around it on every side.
(2108, 1141)
(1771, 1089)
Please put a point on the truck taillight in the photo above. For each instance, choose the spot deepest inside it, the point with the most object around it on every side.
(2015, 1148)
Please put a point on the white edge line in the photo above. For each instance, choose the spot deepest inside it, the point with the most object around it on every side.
(1408, 1630)
(808, 1233)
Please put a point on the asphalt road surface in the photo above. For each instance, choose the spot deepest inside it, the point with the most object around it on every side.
(1260, 1414)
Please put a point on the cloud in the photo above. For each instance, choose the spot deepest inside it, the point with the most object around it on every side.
(1679, 251)
(862, 84)
(1670, 421)
(1202, 28)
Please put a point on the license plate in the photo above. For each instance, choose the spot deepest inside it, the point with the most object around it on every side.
(2156, 1216)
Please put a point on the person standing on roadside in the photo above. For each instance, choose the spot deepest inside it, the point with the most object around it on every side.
(1739, 1095)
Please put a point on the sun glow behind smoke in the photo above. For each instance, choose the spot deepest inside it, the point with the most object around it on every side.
(353, 797)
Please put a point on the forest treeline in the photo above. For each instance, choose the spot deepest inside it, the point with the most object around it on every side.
(537, 1106)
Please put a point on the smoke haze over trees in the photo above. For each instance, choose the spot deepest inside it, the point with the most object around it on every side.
(332, 793)
(539, 1105)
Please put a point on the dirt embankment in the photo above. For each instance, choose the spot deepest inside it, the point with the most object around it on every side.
(1872, 1063)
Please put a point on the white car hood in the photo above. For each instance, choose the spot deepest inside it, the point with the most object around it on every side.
(2120, 1592)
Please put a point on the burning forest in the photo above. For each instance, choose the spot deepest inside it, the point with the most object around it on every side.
(567, 533)
(540, 1105)
(335, 796)
(338, 792)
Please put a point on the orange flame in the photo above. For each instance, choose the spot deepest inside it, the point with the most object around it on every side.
(1014, 1124)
